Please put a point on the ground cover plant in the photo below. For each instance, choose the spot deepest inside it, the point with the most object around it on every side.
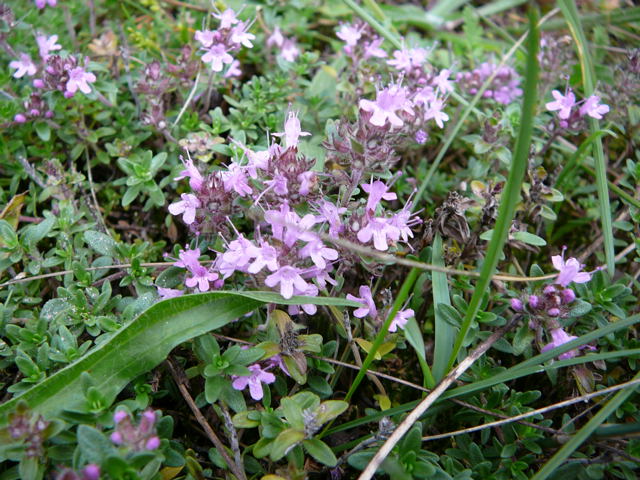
(319, 239)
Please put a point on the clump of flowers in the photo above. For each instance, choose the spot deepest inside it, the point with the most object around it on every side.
(369, 309)
(553, 303)
(571, 113)
(218, 45)
(504, 88)
(135, 437)
(361, 42)
(286, 47)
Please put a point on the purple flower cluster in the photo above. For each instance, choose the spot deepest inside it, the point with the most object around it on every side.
(553, 302)
(287, 48)
(571, 113)
(137, 438)
(504, 88)
(218, 45)
(287, 252)
(43, 3)
(360, 42)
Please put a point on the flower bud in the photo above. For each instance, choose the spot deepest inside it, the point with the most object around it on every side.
(553, 312)
(516, 305)
(91, 472)
(567, 295)
(68, 94)
(152, 443)
(38, 83)
(19, 118)
(549, 289)
(119, 416)
(116, 437)
(534, 301)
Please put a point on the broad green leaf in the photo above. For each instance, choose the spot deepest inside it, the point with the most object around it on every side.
(101, 243)
(144, 343)
(285, 441)
(320, 451)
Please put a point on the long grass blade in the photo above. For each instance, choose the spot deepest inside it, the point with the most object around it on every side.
(570, 12)
(511, 195)
(445, 333)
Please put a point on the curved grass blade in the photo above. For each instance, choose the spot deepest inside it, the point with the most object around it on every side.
(144, 343)
(511, 195)
(445, 333)
(585, 432)
(570, 12)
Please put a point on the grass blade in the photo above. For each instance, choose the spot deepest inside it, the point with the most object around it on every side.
(585, 432)
(572, 17)
(445, 333)
(511, 194)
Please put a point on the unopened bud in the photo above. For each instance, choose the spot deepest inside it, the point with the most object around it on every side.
(568, 295)
(553, 312)
(534, 301)
(38, 83)
(19, 118)
(91, 472)
(152, 443)
(119, 416)
(516, 304)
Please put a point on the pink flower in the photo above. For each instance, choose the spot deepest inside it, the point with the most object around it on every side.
(187, 207)
(217, 56)
(236, 179)
(408, 58)
(265, 256)
(372, 49)
(240, 36)
(166, 293)
(442, 81)
(227, 18)
(200, 275)
(254, 380)
(564, 103)
(196, 180)
(593, 107)
(388, 101)
(308, 308)
(278, 184)
(292, 130)
(276, 38)
(288, 227)
(43, 3)
(233, 70)
(569, 270)
(328, 212)
(560, 337)
(349, 34)
(401, 319)
(377, 191)
(23, 66)
(237, 256)
(421, 137)
(206, 38)
(381, 230)
(289, 50)
(79, 79)
(435, 111)
(47, 44)
(307, 180)
(318, 252)
(287, 277)
(365, 298)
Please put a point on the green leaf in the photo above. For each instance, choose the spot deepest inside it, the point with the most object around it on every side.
(101, 243)
(445, 331)
(94, 445)
(285, 441)
(320, 451)
(529, 238)
(43, 130)
(329, 410)
(144, 343)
